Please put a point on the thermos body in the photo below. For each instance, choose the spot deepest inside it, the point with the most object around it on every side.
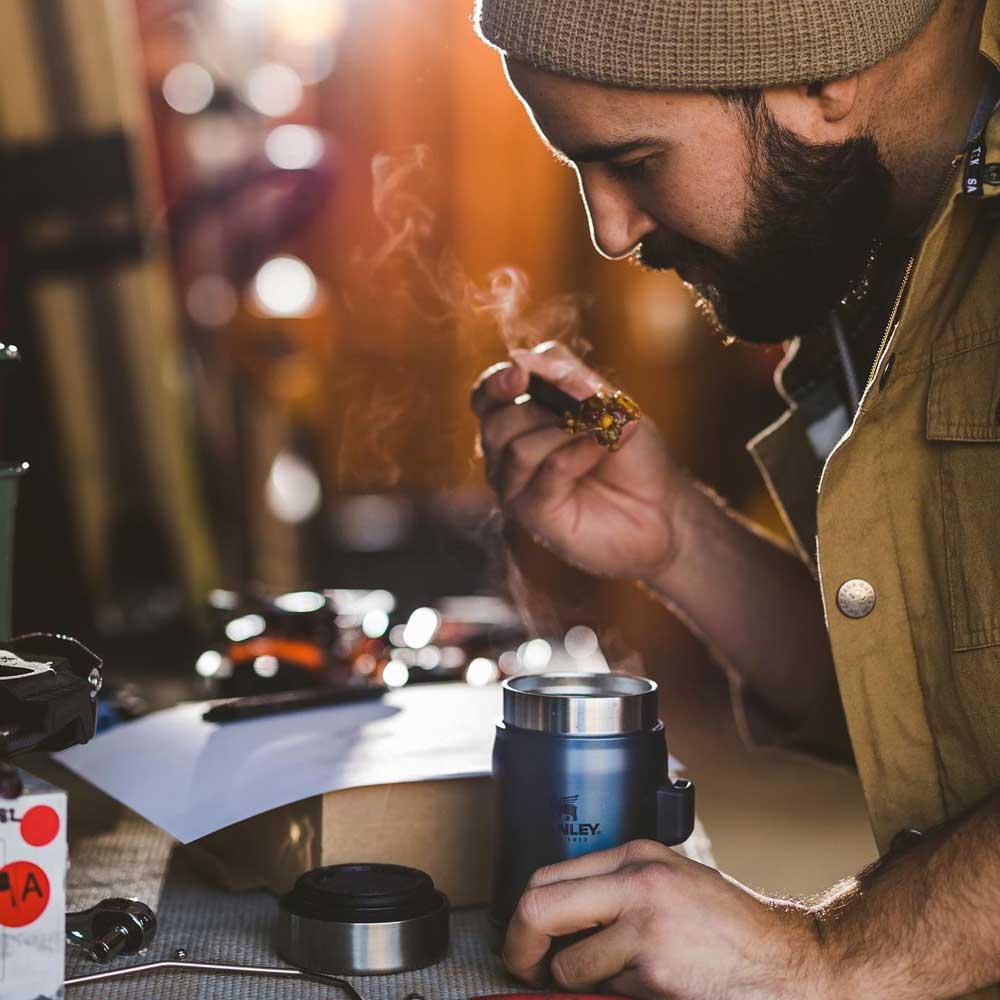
(579, 765)
(558, 797)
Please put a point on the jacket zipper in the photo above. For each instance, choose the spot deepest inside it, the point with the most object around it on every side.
(946, 183)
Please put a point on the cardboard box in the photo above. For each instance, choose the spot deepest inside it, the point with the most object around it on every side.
(33, 892)
(442, 827)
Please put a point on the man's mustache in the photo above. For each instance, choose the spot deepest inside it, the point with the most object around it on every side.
(675, 253)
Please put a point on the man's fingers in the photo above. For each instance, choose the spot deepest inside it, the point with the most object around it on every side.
(596, 959)
(525, 456)
(554, 910)
(500, 384)
(636, 852)
(557, 363)
(500, 426)
(557, 477)
(503, 382)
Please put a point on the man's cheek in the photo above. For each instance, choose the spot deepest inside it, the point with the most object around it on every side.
(702, 208)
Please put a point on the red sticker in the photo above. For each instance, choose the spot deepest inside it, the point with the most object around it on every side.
(40, 826)
(24, 893)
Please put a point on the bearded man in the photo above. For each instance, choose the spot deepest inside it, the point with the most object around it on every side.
(826, 174)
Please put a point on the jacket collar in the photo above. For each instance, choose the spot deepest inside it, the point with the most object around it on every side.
(989, 39)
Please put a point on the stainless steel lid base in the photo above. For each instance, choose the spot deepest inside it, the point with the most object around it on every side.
(363, 920)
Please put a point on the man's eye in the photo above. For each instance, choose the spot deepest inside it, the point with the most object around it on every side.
(631, 171)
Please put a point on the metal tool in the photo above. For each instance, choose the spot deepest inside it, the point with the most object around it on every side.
(179, 965)
(539, 995)
(114, 927)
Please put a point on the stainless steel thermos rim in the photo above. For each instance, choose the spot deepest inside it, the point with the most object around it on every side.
(578, 704)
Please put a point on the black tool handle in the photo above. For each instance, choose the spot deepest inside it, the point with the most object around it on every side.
(256, 706)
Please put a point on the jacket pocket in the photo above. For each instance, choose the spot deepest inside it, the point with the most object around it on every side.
(963, 414)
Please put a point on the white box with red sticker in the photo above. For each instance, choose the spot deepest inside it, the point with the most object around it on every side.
(33, 892)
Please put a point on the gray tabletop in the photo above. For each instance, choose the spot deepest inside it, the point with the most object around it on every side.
(125, 855)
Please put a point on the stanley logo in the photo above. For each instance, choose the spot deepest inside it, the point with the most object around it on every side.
(569, 823)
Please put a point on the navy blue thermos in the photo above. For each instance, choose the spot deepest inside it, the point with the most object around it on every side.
(579, 765)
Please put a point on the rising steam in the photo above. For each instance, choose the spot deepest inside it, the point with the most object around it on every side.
(413, 273)
(439, 286)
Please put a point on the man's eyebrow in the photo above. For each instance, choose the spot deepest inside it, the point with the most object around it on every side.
(599, 152)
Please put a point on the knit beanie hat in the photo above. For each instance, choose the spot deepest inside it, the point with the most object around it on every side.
(701, 44)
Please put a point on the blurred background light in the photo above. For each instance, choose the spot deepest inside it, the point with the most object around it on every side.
(215, 142)
(265, 666)
(373, 522)
(309, 22)
(273, 89)
(294, 147)
(300, 602)
(481, 672)
(223, 600)
(429, 657)
(365, 664)
(420, 628)
(211, 300)
(581, 642)
(395, 674)
(208, 664)
(293, 489)
(188, 88)
(245, 627)
(452, 657)
(285, 286)
(535, 655)
(508, 662)
(374, 623)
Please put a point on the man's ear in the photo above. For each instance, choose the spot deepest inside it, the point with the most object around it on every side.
(817, 112)
(835, 98)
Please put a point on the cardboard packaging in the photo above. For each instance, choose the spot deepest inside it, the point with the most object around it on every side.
(442, 827)
(33, 892)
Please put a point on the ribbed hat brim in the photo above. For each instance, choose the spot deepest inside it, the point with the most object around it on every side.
(701, 44)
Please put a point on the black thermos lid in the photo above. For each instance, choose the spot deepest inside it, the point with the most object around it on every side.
(363, 893)
(363, 919)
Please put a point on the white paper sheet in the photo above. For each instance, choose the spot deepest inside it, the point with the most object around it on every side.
(192, 777)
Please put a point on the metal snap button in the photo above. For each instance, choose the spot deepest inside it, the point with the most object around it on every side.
(856, 598)
(992, 173)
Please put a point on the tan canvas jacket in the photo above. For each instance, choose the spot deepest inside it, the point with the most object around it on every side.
(909, 506)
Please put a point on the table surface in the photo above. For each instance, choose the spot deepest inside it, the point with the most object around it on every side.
(114, 852)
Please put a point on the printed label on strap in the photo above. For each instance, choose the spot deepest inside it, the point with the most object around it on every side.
(975, 155)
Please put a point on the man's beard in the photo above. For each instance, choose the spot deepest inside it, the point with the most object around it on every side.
(815, 214)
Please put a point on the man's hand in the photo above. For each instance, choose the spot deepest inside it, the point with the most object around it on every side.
(634, 514)
(663, 926)
(608, 513)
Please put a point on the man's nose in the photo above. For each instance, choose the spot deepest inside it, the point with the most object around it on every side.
(617, 223)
